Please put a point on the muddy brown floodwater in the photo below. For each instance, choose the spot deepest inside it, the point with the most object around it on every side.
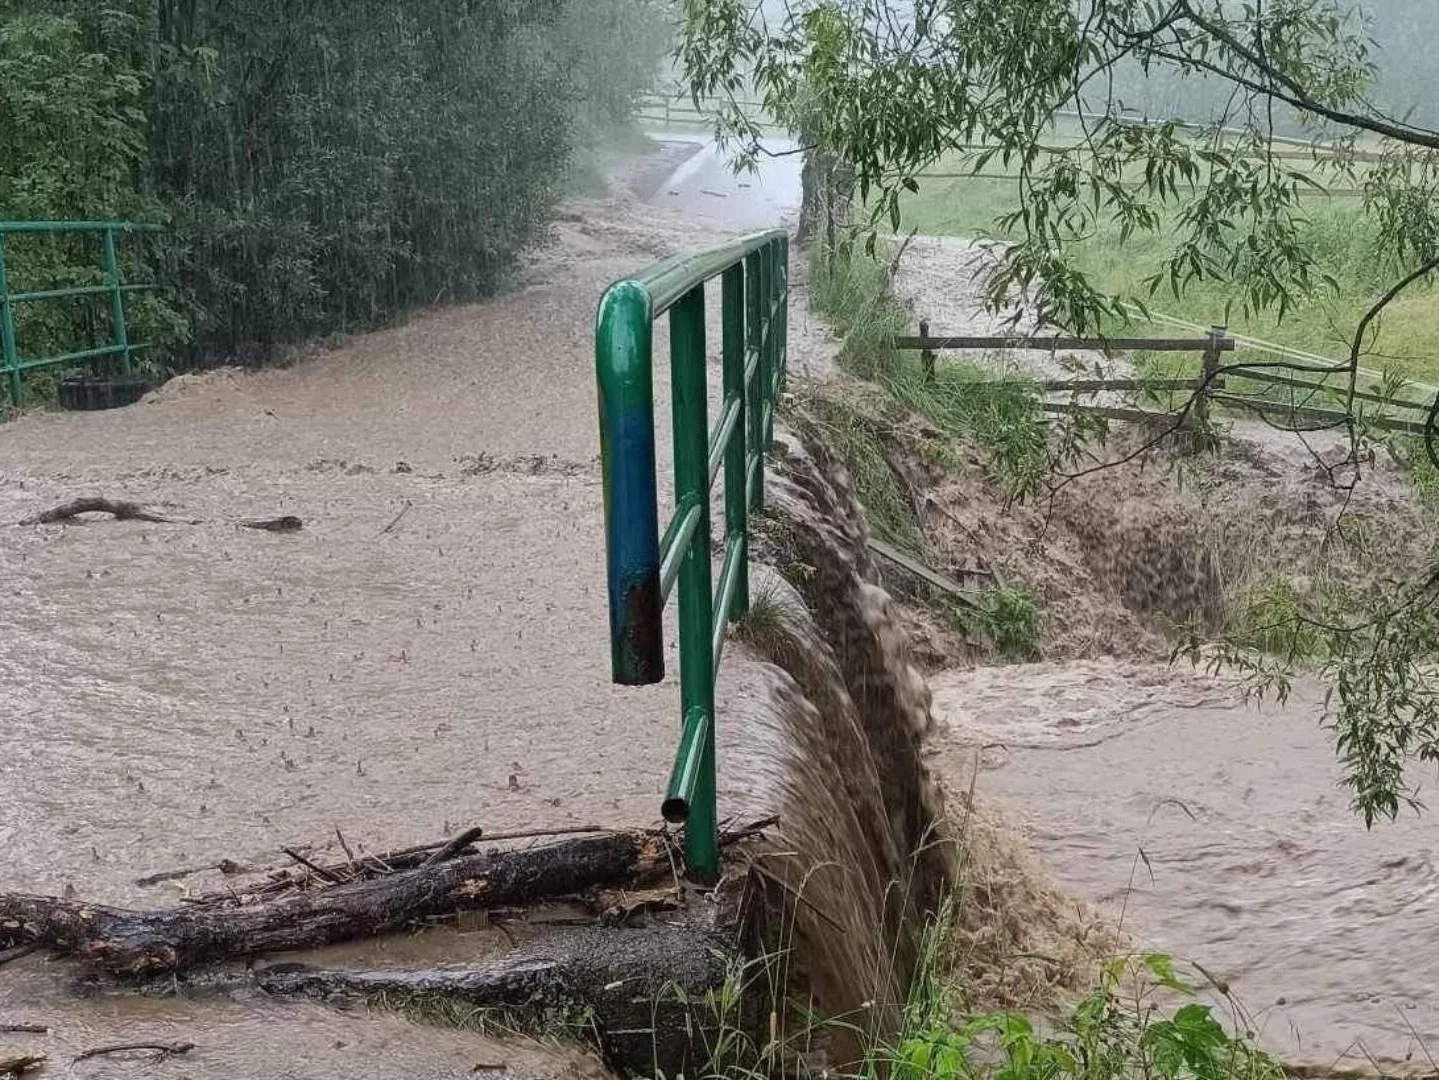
(428, 652)
(1253, 864)
(257, 1038)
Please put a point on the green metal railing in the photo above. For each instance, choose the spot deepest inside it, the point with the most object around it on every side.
(643, 566)
(11, 362)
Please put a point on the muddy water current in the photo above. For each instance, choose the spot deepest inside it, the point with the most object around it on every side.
(252, 1037)
(1252, 863)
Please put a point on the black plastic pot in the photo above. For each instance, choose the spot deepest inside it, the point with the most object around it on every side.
(87, 392)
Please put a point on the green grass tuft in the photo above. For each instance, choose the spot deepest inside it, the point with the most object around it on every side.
(854, 434)
(1002, 417)
(850, 289)
(1008, 617)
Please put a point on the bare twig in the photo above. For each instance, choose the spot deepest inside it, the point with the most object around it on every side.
(164, 1050)
(744, 832)
(893, 268)
(396, 519)
(25, 1029)
(328, 875)
(455, 846)
(345, 847)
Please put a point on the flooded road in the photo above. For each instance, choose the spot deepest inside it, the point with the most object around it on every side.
(427, 653)
(1252, 865)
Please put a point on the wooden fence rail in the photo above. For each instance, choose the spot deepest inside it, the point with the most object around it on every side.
(1278, 379)
(925, 343)
(1209, 388)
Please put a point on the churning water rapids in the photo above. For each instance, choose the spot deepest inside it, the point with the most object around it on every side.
(1252, 863)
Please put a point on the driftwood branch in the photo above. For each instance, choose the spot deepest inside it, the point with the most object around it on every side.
(163, 1050)
(455, 846)
(282, 524)
(117, 508)
(123, 510)
(20, 1063)
(134, 943)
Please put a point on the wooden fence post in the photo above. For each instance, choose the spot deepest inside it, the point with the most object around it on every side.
(1210, 372)
(926, 354)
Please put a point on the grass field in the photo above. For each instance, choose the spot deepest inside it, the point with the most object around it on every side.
(1323, 323)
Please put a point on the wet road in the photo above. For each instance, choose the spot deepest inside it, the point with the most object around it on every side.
(707, 188)
(429, 652)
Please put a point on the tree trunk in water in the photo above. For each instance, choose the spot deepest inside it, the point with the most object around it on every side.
(645, 995)
(137, 943)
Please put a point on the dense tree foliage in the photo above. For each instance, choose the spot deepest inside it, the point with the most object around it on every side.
(319, 164)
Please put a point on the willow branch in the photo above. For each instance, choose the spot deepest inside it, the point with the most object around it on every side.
(1283, 88)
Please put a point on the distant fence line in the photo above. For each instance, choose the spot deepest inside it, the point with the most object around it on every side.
(673, 104)
(677, 108)
(1214, 386)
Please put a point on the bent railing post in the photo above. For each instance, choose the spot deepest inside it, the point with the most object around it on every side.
(642, 565)
(694, 767)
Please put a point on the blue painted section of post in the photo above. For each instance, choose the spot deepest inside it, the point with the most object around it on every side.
(754, 301)
(623, 366)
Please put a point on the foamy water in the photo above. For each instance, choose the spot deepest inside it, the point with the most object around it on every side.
(1217, 832)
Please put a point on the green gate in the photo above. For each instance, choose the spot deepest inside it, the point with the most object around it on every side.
(643, 566)
(122, 348)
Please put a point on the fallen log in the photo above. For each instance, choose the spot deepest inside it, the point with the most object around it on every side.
(646, 995)
(136, 943)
